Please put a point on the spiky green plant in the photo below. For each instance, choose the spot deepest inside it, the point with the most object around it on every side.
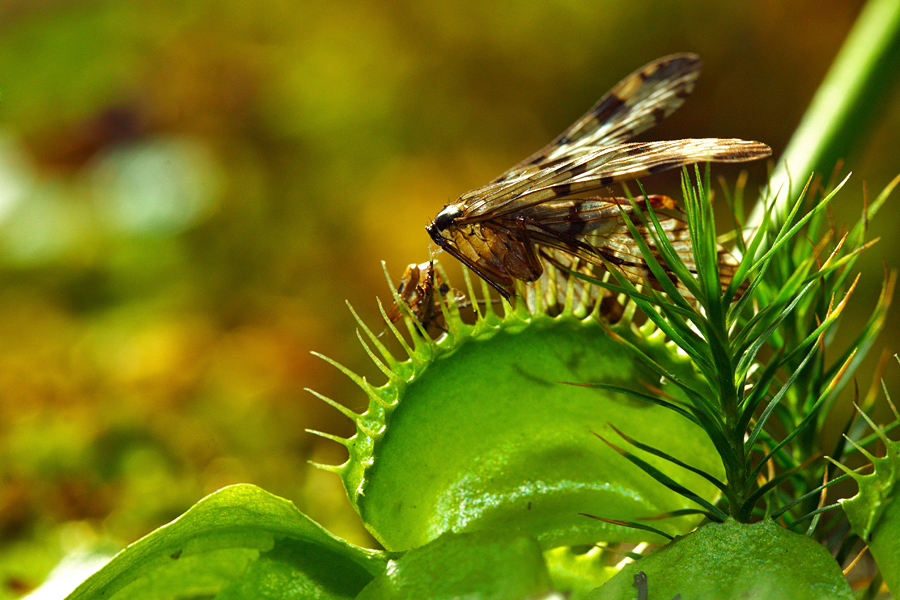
(793, 293)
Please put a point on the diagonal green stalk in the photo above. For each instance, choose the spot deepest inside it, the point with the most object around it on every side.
(845, 105)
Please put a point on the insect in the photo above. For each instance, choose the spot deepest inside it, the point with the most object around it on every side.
(536, 210)
(416, 290)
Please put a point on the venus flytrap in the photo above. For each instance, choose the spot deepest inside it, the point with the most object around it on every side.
(479, 452)
(481, 443)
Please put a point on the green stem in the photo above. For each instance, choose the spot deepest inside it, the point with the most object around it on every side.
(737, 472)
(845, 105)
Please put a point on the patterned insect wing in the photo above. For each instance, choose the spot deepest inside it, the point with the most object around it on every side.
(633, 105)
(503, 230)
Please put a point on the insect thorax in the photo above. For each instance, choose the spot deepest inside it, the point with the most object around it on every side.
(448, 216)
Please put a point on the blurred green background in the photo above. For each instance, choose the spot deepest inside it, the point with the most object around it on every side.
(190, 190)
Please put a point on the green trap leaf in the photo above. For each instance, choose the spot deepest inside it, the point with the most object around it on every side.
(723, 561)
(240, 542)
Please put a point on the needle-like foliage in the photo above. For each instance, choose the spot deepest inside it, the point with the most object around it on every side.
(759, 340)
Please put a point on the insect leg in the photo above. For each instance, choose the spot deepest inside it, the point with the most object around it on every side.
(530, 255)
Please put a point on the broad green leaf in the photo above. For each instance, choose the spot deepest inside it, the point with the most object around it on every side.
(240, 542)
(486, 566)
(724, 561)
(576, 572)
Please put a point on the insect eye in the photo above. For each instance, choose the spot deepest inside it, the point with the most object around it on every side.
(447, 217)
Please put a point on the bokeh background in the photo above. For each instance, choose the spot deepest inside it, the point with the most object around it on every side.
(190, 190)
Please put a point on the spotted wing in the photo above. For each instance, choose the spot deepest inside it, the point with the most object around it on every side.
(635, 104)
(598, 168)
